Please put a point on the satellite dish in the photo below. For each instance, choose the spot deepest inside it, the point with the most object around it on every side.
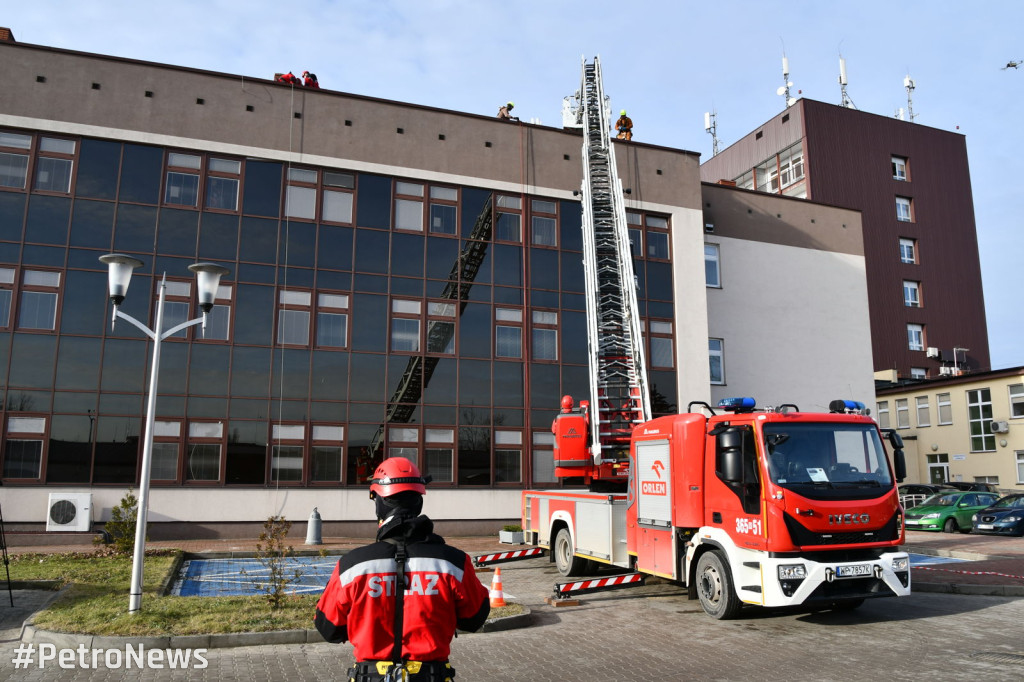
(781, 90)
(790, 102)
(789, 84)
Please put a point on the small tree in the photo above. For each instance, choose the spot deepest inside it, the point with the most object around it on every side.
(120, 529)
(272, 552)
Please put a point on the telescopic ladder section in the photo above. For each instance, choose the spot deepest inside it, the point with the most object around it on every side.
(618, 373)
(406, 398)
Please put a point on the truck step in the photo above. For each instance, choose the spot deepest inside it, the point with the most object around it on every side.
(614, 582)
(501, 557)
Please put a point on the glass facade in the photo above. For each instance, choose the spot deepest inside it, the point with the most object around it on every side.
(363, 316)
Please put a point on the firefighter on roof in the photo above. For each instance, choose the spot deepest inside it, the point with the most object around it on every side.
(505, 112)
(396, 632)
(309, 80)
(625, 126)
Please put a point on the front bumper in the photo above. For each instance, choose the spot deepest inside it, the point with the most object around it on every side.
(923, 524)
(824, 581)
(1012, 529)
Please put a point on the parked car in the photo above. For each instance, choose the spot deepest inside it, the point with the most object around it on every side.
(1005, 517)
(949, 512)
(970, 485)
(913, 494)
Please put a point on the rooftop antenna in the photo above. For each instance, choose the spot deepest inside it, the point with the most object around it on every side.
(711, 126)
(908, 83)
(846, 102)
(784, 89)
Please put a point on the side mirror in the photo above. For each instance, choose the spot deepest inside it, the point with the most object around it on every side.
(730, 456)
(899, 461)
(895, 439)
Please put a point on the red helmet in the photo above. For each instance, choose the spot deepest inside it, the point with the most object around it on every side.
(395, 475)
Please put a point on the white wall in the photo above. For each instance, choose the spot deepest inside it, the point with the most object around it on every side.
(795, 325)
(691, 307)
(29, 505)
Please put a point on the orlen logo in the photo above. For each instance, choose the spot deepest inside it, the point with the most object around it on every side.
(843, 519)
(653, 488)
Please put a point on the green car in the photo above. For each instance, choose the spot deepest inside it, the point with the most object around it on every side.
(949, 512)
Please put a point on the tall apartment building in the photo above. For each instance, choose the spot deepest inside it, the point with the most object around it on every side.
(913, 188)
(349, 325)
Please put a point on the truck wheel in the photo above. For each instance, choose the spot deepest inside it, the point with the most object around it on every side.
(714, 587)
(567, 562)
(950, 526)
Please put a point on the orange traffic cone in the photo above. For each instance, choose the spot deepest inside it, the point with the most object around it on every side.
(497, 596)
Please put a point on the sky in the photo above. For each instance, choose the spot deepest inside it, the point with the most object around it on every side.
(666, 61)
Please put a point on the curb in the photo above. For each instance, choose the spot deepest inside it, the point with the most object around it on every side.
(975, 590)
(30, 634)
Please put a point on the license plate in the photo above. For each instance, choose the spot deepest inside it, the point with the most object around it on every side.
(912, 522)
(985, 526)
(853, 570)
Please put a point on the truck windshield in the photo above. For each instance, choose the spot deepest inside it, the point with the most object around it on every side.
(828, 455)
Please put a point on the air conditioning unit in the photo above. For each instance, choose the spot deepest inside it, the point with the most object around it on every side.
(932, 352)
(999, 427)
(69, 512)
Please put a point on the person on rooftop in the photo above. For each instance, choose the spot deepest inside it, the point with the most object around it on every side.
(309, 80)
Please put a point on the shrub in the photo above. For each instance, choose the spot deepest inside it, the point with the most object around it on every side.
(120, 529)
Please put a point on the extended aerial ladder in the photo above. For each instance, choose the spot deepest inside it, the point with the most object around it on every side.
(618, 373)
(419, 369)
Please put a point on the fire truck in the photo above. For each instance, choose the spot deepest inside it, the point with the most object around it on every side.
(740, 505)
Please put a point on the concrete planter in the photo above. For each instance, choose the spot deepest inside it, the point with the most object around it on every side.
(509, 537)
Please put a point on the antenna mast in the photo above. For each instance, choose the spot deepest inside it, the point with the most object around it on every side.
(908, 83)
(711, 127)
(846, 101)
(784, 89)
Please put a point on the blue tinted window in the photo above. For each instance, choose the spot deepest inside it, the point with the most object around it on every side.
(372, 251)
(369, 322)
(258, 242)
(12, 215)
(407, 255)
(176, 234)
(141, 175)
(374, 202)
(262, 189)
(218, 236)
(98, 165)
(48, 219)
(298, 244)
(475, 204)
(543, 269)
(135, 229)
(92, 223)
(571, 226)
(334, 248)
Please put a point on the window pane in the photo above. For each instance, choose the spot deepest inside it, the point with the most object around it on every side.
(711, 277)
(22, 458)
(13, 170)
(545, 344)
(441, 337)
(508, 342)
(408, 215)
(218, 323)
(543, 231)
(657, 244)
(203, 462)
(543, 465)
(661, 352)
(183, 160)
(226, 166)
(222, 193)
(302, 175)
(717, 361)
(507, 228)
(439, 464)
(9, 139)
(442, 219)
(38, 310)
(293, 327)
(405, 335)
(346, 180)
(300, 202)
(5, 307)
(53, 175)
(447, 193)
(331, 330)
(508, 466)
(338, 206)
(165, 462)
(182, 189)
(286, 463)
(326, 463)
(175, 312)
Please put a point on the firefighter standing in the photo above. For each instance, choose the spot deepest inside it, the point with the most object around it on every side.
(625, 126)
(401, 631)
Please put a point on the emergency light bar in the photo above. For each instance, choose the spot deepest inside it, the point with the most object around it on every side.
(737, 404)
(847, 406)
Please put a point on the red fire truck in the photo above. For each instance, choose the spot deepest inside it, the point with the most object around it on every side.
(769, 507)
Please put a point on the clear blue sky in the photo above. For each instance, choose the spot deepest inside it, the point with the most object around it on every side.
(666, 61)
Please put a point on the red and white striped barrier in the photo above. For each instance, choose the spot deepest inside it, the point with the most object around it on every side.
(515, 555)
(597, 584)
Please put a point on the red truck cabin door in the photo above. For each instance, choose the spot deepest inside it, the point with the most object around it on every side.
(654, 536)
(737, 506)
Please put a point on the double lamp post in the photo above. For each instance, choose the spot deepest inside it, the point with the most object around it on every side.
(120, 273)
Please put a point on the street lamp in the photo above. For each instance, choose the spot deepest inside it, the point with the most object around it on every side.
(119, 275)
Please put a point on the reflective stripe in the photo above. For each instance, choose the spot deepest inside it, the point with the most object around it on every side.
(388, 566)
